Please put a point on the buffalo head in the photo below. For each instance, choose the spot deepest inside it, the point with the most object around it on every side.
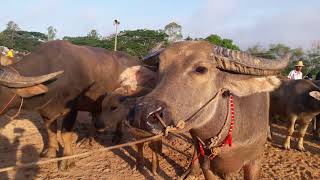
(191, 73)
(134, 82)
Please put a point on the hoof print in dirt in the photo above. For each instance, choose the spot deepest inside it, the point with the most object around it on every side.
(85, 142)
(66, 165)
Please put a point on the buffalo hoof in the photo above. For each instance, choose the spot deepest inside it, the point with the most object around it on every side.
(301, 148)
(300, 145)
(286, 146)
(49, 153)
(155, 174)
(66, 164)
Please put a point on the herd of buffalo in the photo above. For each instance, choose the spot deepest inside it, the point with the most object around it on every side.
(223, 98)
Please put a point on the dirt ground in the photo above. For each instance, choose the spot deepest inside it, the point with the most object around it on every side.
(21, 141)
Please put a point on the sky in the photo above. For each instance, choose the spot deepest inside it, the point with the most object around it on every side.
(247, 22)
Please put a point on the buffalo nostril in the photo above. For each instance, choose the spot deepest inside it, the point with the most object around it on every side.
(151, 113)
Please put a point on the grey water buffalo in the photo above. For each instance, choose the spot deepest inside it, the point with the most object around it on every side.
(195, 80)
(89, 75)
(296, 101)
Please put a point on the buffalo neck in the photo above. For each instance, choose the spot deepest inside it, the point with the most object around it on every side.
(216, 122)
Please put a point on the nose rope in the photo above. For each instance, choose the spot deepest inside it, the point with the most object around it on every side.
(182, 123)
(179, 125)
(161, 120)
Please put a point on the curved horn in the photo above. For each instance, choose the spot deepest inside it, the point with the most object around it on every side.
(14, 80)
(243, 63)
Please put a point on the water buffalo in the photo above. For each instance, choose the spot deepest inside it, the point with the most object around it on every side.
(135, 82)
(89, 75)
(316, 121)
(195, 78)
(297, 101)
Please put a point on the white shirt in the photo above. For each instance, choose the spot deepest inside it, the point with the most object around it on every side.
(295, 75)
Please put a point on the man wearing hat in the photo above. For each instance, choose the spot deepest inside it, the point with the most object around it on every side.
(296, 73)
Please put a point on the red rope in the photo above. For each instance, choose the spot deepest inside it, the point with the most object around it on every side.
(228, 140)
(200, 153)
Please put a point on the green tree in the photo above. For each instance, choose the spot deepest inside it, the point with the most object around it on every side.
(12, 29)
(24, 40)
(139, 42)
(258, 51)
(134, 42)
(217, 40)
(312, 59)
(93, 34)
(51, 33)
(85, 41)
(174, 32)
(279, 49)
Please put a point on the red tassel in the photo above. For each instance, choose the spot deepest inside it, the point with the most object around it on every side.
(201, 149)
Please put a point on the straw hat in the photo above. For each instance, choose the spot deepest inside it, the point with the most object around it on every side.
(300, 63)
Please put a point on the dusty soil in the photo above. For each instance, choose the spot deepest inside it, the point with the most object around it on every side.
(21, 141)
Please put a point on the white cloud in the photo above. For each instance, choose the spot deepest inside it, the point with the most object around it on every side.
(296, 28)
(248, 23)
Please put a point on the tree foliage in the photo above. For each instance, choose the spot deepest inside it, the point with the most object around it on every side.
(134, 42)
(94, 34)
(217, 40)
(51, 33)
(24, 40)
(11, 30)
(174, 32)
(279, 50)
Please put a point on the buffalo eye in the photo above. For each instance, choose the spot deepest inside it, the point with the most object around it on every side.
(113, 108)
(201, 70)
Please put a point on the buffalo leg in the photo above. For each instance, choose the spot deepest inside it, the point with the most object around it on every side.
(316, 127)
(304, 127)
(156, 147)
(252, 170)
(51, 126)
(67, 126)
(291, 124)
(205, 166)
(89, 139)
(194, 166)
(139, 157)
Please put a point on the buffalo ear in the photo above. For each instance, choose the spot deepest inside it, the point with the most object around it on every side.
(136, 79)
(32, 91)
(245, 86)
(315, 94)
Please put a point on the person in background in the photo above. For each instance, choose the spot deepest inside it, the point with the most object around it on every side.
(10, 53)
(10, 56)
(296, 73)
